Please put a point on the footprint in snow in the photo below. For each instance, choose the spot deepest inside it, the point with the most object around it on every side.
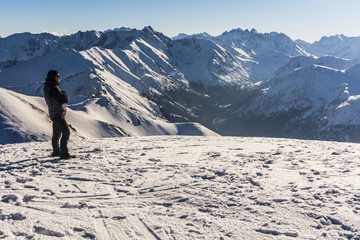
(23, 180)
(77, 229)
(8, 184)
(119, 217)
(9, 198)
(49, 192)
(214, 154)
(277, 233)
(12, 216)
(47, 232)
(315, 172)
(89, 235)
(86, 234)
(154, 160)
(31, 187)
(80, 205)
(254, 183)
(28, 198)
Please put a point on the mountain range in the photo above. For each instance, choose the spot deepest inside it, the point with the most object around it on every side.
(129, 82)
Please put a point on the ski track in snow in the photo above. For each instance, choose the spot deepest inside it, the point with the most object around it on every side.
(174, 187)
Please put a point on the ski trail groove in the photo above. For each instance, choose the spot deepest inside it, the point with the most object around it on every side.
(150, 230)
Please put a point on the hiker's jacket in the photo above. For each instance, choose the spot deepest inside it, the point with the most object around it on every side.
(55, 99)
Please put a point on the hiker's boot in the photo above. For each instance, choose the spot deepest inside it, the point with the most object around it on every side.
(65, 155)
(56, 153)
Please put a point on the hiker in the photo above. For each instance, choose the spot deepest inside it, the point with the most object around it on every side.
(56, 100)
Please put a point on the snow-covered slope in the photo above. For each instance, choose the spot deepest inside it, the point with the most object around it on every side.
(262, 54)
(308, 98)
(22, 117)
(204, 62)
(175, 187)
(297, 63)
(24, 46)
(25, 118)
(312, 87)
(338, 46)
(255, 43)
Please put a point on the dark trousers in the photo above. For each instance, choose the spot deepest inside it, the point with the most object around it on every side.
(61, 133)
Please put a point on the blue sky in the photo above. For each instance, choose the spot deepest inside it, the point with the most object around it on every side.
(299, 19)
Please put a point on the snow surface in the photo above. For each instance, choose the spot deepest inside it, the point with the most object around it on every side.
(176, 187)
(25, 118)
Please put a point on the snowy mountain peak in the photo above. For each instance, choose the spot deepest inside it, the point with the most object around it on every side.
(253, 31)
(180, 36)
(240, 34)
(337, 37)
(148, 28)
(338, 45)
(341, 37)
(261, 43)
(203, 35)
(121, 29)
(158, 36)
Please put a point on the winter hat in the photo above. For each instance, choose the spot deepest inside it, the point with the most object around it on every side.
(52, 74)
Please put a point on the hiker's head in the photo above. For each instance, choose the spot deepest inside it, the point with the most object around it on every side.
(53, 76)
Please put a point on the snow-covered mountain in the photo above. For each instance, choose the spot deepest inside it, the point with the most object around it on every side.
(339, 45)
(239, 83)
(107, 85)
(305, 98)
(119, 68)
(261, 54)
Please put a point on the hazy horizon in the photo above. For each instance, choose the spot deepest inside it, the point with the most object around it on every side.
(306, 20)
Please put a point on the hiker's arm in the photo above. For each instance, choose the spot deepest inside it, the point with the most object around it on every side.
(61, 96)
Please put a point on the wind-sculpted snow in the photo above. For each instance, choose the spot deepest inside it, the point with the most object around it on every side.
(181, 188)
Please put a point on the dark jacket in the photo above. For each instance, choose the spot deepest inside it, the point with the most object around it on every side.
(55, 99)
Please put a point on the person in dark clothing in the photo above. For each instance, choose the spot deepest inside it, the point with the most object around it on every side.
(56, 100)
